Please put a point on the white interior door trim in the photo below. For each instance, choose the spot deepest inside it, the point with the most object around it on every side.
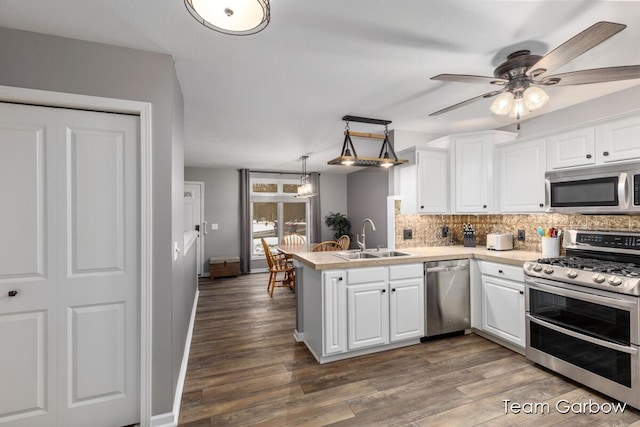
(143, 109)
(203, 226)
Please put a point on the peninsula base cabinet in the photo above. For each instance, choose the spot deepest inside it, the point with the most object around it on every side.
(358, 311)
(501, 305)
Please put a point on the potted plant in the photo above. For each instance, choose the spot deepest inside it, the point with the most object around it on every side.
(339, 223)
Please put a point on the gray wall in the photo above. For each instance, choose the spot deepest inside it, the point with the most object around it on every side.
(333, 198)
(367, 192)
(39, 61)
(222, 207)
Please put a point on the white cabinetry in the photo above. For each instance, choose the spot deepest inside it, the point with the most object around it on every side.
(385, 304)
(334, 312)
(573, 148)
(521, 168)
(406, 304)
(503, 302)
(474, 170)
(612, 140)
(617, 140)
(424, 183)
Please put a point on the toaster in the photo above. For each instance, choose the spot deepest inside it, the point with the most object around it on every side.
(500, 242)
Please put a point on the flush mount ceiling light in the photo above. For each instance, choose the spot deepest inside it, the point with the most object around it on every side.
(348, 155)
(305, 189)
(234, 17)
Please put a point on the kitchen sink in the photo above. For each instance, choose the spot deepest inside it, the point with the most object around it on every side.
(369, 255)
(354, 255)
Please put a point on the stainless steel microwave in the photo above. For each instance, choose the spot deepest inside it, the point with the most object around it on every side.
(608, 189)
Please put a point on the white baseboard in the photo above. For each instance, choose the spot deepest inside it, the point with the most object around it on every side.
(170, 419)
(298, 336)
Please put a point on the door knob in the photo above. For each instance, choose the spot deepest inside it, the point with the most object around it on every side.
(13, 293)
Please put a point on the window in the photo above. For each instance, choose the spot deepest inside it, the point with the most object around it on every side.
(274, 212)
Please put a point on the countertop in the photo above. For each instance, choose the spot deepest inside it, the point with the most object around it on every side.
(328, 261)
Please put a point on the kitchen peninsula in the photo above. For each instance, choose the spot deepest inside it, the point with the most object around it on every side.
(351, 307)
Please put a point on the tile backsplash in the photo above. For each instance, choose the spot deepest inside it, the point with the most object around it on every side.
(427, 229)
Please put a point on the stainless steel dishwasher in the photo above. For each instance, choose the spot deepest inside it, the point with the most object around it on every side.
(447, 297)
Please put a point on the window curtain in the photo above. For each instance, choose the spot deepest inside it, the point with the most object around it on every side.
(245, 222)
(315, 222)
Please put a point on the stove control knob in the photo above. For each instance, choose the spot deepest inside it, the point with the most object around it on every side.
(537, 267)
(598, 278)
(548, 269)
(572, 274)
(615, 281)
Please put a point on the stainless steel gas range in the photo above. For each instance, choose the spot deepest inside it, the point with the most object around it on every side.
(583, 312)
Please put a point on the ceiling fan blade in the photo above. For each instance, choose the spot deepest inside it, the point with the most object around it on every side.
(595, 75)
(468, 101)
(466, 78)
(575, 46)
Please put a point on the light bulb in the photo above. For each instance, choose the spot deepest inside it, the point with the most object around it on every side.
(519, 109)
(534, 97)
(502, 104)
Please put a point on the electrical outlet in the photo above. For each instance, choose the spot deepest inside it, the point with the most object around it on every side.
(520, 235)
(407, 234)
(445, 231)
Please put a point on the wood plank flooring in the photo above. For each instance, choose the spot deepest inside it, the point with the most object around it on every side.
(246, 369)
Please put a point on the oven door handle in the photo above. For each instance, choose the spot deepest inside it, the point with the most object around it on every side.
(582, 296)
(592, 340)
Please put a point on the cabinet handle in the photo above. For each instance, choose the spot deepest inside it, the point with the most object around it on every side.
(500, 271)
(521, 292)
(422, 207)
(606, 153)
(484, 206)
(588, 156)
(340, 278)
(13, 293)
(384, 290)
(542, 205)
(393, 289)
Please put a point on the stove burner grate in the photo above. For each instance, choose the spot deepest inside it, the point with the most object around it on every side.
(595, 265)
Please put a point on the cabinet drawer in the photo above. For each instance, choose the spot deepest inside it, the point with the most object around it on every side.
(366, 275)
(501, 270)
(406, 271)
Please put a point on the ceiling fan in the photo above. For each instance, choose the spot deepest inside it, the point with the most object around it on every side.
(522, 75)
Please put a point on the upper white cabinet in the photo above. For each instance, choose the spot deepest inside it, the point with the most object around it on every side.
(521, 167)
(618, 140)
(424, 182)
(612, 140)
(474, 171)
(573, 148)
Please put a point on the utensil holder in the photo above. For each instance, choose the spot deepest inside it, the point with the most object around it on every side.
(550, 247)
(469, 242)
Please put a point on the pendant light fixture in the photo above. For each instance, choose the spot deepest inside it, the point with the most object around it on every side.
(348, 155)
(305, 189)
(234, 17)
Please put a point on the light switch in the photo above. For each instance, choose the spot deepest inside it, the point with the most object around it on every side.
(214, 226)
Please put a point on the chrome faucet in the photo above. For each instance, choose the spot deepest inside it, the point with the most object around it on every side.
(362, 244)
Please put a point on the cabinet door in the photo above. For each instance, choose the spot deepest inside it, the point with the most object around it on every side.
(574, 148)
(334, 315)
(406, 309)
(473, 173)
(521, 176)
(368, 312)
(618, 140)
(503, 309)
(433, 181)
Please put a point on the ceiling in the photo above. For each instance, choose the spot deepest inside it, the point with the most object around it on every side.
(264, 100)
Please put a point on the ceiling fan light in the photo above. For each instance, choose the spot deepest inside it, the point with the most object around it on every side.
(519, 109)
(503, 104)
(235, 17)
(534, 97)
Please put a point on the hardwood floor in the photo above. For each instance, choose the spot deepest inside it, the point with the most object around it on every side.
(246, 369)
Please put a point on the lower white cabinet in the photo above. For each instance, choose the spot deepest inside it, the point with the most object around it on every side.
(365, 308)
(334, 312)
(502, 299)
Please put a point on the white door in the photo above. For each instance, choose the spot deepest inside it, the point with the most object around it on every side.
(193, 216)
(368, 315)
(70, 258)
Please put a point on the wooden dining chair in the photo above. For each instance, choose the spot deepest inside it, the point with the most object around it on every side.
(293, 239)
(344, 241)
(327, 245)
(279, 264)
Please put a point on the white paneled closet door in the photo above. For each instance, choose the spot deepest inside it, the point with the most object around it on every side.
(71, 254)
